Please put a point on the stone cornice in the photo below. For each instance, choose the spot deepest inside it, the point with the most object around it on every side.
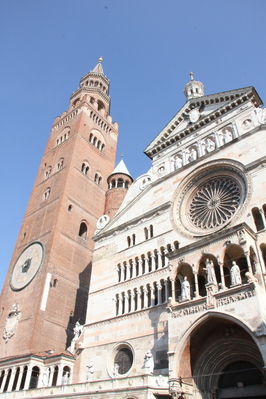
(217, 237)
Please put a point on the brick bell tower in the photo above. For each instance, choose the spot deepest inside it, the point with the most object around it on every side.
(47, 284)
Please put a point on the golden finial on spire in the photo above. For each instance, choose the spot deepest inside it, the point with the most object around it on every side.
(191, 76)
(100, 59)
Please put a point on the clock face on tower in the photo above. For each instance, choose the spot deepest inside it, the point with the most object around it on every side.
(26, 266)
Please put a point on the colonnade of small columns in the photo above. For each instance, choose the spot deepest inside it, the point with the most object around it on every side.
(158, 292)
(145, 263)
(100, 122)
(118, 183)
(20, 377)
(146, 296)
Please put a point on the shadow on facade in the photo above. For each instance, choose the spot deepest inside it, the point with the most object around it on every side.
(159, 322)
(80, 310)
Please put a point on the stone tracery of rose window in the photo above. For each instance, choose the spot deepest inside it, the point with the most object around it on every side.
(214, 203)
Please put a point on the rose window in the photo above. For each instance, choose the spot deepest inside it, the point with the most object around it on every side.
(214, 203)
(211, 197)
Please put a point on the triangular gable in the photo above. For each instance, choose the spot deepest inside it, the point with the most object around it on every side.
(208, 107)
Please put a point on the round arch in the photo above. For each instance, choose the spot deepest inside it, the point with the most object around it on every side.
(212, 344)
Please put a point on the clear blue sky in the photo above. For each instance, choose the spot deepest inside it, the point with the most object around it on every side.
(148, 48)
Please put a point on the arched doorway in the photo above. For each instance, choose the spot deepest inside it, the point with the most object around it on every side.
(218, 356)
(239, 380)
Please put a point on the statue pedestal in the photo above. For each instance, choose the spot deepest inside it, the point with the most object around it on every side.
(211, 289)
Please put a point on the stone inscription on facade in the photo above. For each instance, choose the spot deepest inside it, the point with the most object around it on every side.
(190, 310)
(235, 297)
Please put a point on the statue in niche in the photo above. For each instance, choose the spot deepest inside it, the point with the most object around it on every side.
(90, 372)
(192, 155)
(178, 162)
(227, 135)
(185, 290)
(65, 378)
(210, 145)
(203, 147)
(221, 138)
(148, 363)
(116, 368)
(235, 274)
(211, 278)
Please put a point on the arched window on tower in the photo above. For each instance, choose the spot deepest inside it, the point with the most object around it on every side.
(83, 230)
(46, 194)
(60, 164)
(48, 172)
(85, 168)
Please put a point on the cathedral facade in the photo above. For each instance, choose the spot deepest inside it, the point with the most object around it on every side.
(161, 280)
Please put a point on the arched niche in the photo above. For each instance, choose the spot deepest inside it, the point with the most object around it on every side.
(234, 252)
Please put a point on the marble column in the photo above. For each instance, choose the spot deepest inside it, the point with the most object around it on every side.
(19, 379)
(173, 289)
(152, 295)
(166, 290)
(28, 377)
(221, 272)
(134, 270)
(4, 381)
(263, 217)
(159, 292)
(137, 299)
(145, 297)
(126, 302)
(248, 262)
(51, 376)
(11, 380)
(195, 273)
(60, 375)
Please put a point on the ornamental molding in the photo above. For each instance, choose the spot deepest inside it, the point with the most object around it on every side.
(244, 292)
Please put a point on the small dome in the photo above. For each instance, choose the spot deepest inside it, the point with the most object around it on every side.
(193, 89)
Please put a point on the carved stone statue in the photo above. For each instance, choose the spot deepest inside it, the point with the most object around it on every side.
(77, 331)
(235, 274)
(178, 162)
(185, 290)
(211, 278)
(148, 363)
(90, 372)
(192, 155)
(116, 368)
(210, 145)
(65, 378)
(227, 135)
